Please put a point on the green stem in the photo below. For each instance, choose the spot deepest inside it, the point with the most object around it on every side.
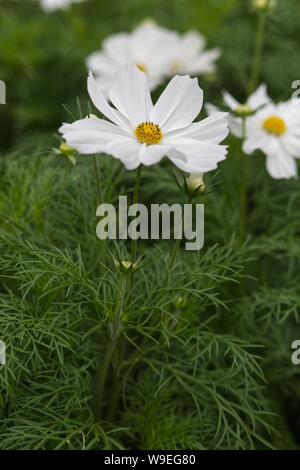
(175, 248)
(102, 379)
(99, 190)
(259, 42)
(117, 382)
(67, 164)
(115, 329)
(100, 201)
(243, 200)
(134, 201)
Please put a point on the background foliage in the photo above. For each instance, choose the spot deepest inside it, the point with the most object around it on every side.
(221, 377)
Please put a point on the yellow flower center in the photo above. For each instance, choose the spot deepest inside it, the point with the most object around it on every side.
(275, 125)
(142, 68)
(148, 133)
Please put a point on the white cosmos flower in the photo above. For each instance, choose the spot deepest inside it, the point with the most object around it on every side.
(255, 101)
(275, 130)
(190, 56)
(148, 46)
(140, 132)
(50, 5)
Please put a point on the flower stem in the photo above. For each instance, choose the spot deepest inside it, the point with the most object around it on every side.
(259, 42)
(99, 190)
(115, 330)
(176, 246)
(67, 165)
(243, 200)
(100, 201)
(134, 201)
(102, 379)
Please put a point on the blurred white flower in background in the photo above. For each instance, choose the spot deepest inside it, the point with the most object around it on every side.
(275, 130)
(157, 51)
(190, 56)
(50, 5)
(255, 101)
(143, 133)
(149, 47)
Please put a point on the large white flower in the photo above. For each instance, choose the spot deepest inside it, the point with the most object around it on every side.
(140, 132)
(275, 130)
(255, 101)
(148, 46)
(50, 5)
(190, 56)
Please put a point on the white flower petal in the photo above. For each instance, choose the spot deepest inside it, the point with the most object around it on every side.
(102, 64)
(269, 144)
(130, 94)
(125, 149)
(205, 63)
(281, 165)
(89, 136)
(178, 105)
(291, 144)
(100, 102)
(200, 156)
(259, 97)
(231, 102)
(213, 129)
(117, 47)
(151, 154)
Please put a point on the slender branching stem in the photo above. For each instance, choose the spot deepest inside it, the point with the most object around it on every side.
(67, 165)
(243, 200)
(134, 201)
(100, 201)
(99, 190)
(176, 246)
(258, 50)
(115, 332)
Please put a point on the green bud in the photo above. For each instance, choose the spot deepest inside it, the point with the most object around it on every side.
(66, 149)
(126, 266)
(264, 5)
(194, 184)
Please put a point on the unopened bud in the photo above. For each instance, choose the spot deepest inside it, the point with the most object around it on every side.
(264, 5)
(243, 109)
(126, 266)
(66, 149)
(91, 116)
(195, 183)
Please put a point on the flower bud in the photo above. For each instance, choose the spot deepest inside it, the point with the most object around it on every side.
(243, 110)
(126, 266)
(195, 184)
(264, 5)
(91, 116)
(66, 149)
(180, 302)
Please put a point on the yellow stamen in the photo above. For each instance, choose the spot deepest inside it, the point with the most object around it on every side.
(148, 133)
(142, 68)
(275, 125)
